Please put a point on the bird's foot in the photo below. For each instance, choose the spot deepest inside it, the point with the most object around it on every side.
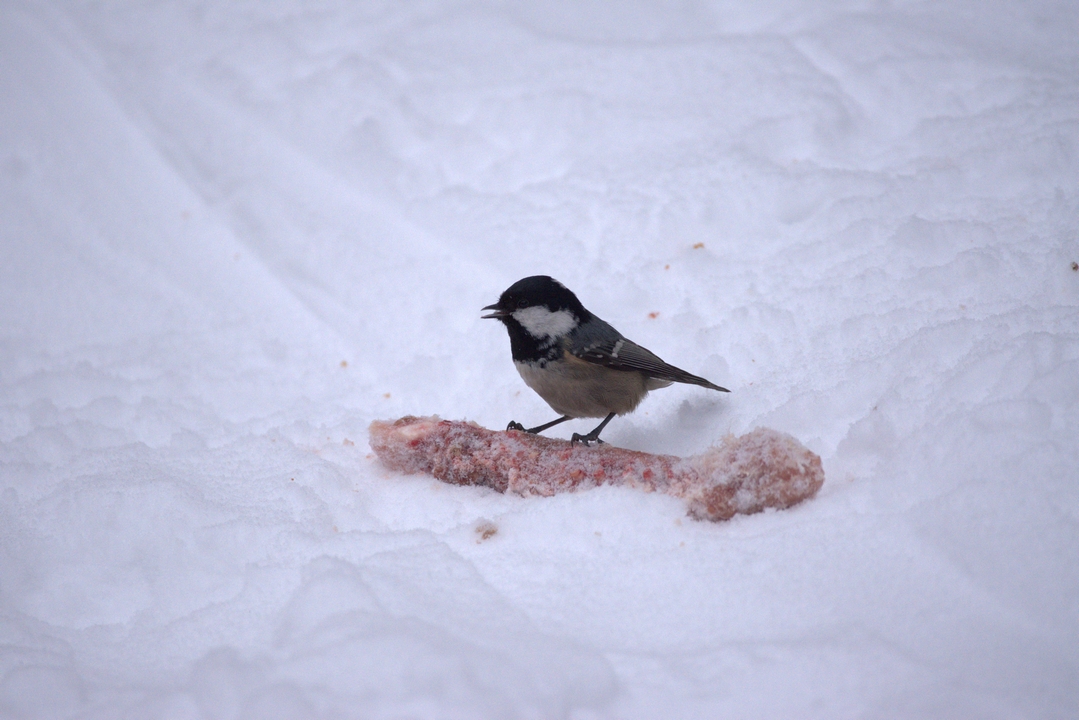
(514, 425)
(592, 437)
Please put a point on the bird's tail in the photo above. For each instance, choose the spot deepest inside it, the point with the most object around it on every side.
(680, 375)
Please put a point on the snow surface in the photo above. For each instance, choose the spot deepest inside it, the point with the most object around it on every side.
(233, 234)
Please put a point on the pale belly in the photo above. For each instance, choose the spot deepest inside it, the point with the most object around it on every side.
(583, 390)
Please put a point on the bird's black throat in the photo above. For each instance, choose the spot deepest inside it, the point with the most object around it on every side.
(526, 347)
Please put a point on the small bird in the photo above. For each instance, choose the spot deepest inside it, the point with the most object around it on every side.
(581, 366)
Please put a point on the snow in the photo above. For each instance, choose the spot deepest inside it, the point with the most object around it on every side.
(234, 234)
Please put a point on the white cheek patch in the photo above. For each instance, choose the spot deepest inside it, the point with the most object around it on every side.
(542, 323)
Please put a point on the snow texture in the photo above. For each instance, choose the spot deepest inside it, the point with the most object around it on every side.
(759, 470)
(232, 235)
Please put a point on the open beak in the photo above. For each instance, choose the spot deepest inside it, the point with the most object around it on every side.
(497, 312)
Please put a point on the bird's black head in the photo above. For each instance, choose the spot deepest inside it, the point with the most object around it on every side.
(537, 311)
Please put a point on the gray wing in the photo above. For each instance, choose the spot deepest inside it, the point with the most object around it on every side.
(618, 353)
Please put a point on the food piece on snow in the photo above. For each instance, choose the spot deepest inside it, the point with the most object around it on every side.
(747, 474)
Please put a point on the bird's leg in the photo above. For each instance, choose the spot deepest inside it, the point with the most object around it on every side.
(594, 435)
(539, 428)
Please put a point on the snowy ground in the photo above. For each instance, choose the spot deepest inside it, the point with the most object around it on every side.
(232, 234)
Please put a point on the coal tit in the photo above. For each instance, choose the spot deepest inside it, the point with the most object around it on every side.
(581, 366)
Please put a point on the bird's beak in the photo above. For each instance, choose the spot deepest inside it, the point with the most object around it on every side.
(497, 312)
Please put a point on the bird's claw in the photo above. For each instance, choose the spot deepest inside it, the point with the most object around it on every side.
(585, 440)
(514, 425)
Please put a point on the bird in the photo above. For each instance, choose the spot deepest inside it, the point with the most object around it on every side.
(580, 365)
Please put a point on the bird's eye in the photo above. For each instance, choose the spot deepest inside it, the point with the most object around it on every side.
(522, 303)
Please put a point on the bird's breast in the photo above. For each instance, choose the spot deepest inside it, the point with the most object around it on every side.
(578, 388)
